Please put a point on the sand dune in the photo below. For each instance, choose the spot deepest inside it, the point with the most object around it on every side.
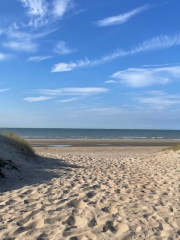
(95, 193)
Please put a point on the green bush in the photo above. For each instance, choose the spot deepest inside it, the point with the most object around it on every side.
(21, 144)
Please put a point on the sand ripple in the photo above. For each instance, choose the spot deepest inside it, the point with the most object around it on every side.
(115, 194)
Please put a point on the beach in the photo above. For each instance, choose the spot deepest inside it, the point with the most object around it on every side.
(101, 189)
(102, 142)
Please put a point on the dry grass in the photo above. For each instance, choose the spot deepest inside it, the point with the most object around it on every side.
(21, 144)
(173, 148)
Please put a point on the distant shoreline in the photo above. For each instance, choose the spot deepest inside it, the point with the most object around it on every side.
(101, 142)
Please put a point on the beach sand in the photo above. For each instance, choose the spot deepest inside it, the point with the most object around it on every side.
(102, 142)
(79, 193)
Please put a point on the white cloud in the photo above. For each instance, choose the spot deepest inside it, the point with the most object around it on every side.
(160, 65)
(38, 58)
(158, 99)
(120, 19)
(60, 7)
(142, 77)
(43, 12)
(68, 100)
(52, 93)
(110, 81)
(4, 90)
(61, 48)
(35, 7)
(21, 46)
(62, 67)
(37, 11)
(26, 36)
(23, 41)
(157, 43)
(72, 91)
(4, 57)
(36, 99)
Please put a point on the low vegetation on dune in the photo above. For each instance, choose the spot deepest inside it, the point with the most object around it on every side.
(173, 148)
(21, 144)
(8, 164)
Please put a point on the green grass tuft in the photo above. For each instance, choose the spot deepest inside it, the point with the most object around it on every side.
(21, 144)
(173, 148)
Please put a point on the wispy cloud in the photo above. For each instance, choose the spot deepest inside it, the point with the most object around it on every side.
(36, 10)
(62, 48)
(160, 65)
(38, 58)
(110, 81)
(121, 18)
(142, 77)
(78, 93)
(4, 57)
(21, 46)
(154, 44)
(23, 41)
(71, 91)
(4, 90)
(69, 100)
(37, 99)
(158, 99)
(22, 36)
(35, 7)
(60, 7)
(157, 43)
(26, 36)
(43, 12)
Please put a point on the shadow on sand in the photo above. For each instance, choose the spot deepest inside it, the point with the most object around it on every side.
(43, 169)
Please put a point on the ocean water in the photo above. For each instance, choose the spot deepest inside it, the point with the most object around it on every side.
(66, 133)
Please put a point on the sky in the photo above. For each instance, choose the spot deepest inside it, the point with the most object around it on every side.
(90, 64)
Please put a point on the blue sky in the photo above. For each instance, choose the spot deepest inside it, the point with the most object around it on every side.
(90, 64)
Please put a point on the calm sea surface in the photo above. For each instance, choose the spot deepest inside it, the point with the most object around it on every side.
(63, 133)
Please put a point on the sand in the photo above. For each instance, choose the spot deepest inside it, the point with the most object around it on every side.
(102, 142)
(80, 193)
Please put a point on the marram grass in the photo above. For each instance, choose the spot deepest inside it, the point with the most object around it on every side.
(173, 148)
(21, 144)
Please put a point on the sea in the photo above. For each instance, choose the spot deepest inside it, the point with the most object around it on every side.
(74, 133)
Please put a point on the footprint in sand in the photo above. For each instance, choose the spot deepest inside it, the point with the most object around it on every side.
(77, 203)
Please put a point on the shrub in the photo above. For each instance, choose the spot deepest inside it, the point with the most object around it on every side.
(21, 144)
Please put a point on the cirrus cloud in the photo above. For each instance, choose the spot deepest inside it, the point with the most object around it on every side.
(157, 99)
(62, 48)
(43, 12)
(53, 93)
(154, 44)
(37, 99)
(21, 46)
(142, 77)
(71, 91)
(4, 57)
(4, 90)
(120, 19)
(60, 7)
(38, 58)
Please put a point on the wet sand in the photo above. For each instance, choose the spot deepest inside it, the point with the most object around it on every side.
(101, 142)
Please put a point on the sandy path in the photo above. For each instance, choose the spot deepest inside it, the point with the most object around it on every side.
(99, 193)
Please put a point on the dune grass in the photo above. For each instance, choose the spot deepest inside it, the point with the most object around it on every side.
(173, 148)
(21, 144)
